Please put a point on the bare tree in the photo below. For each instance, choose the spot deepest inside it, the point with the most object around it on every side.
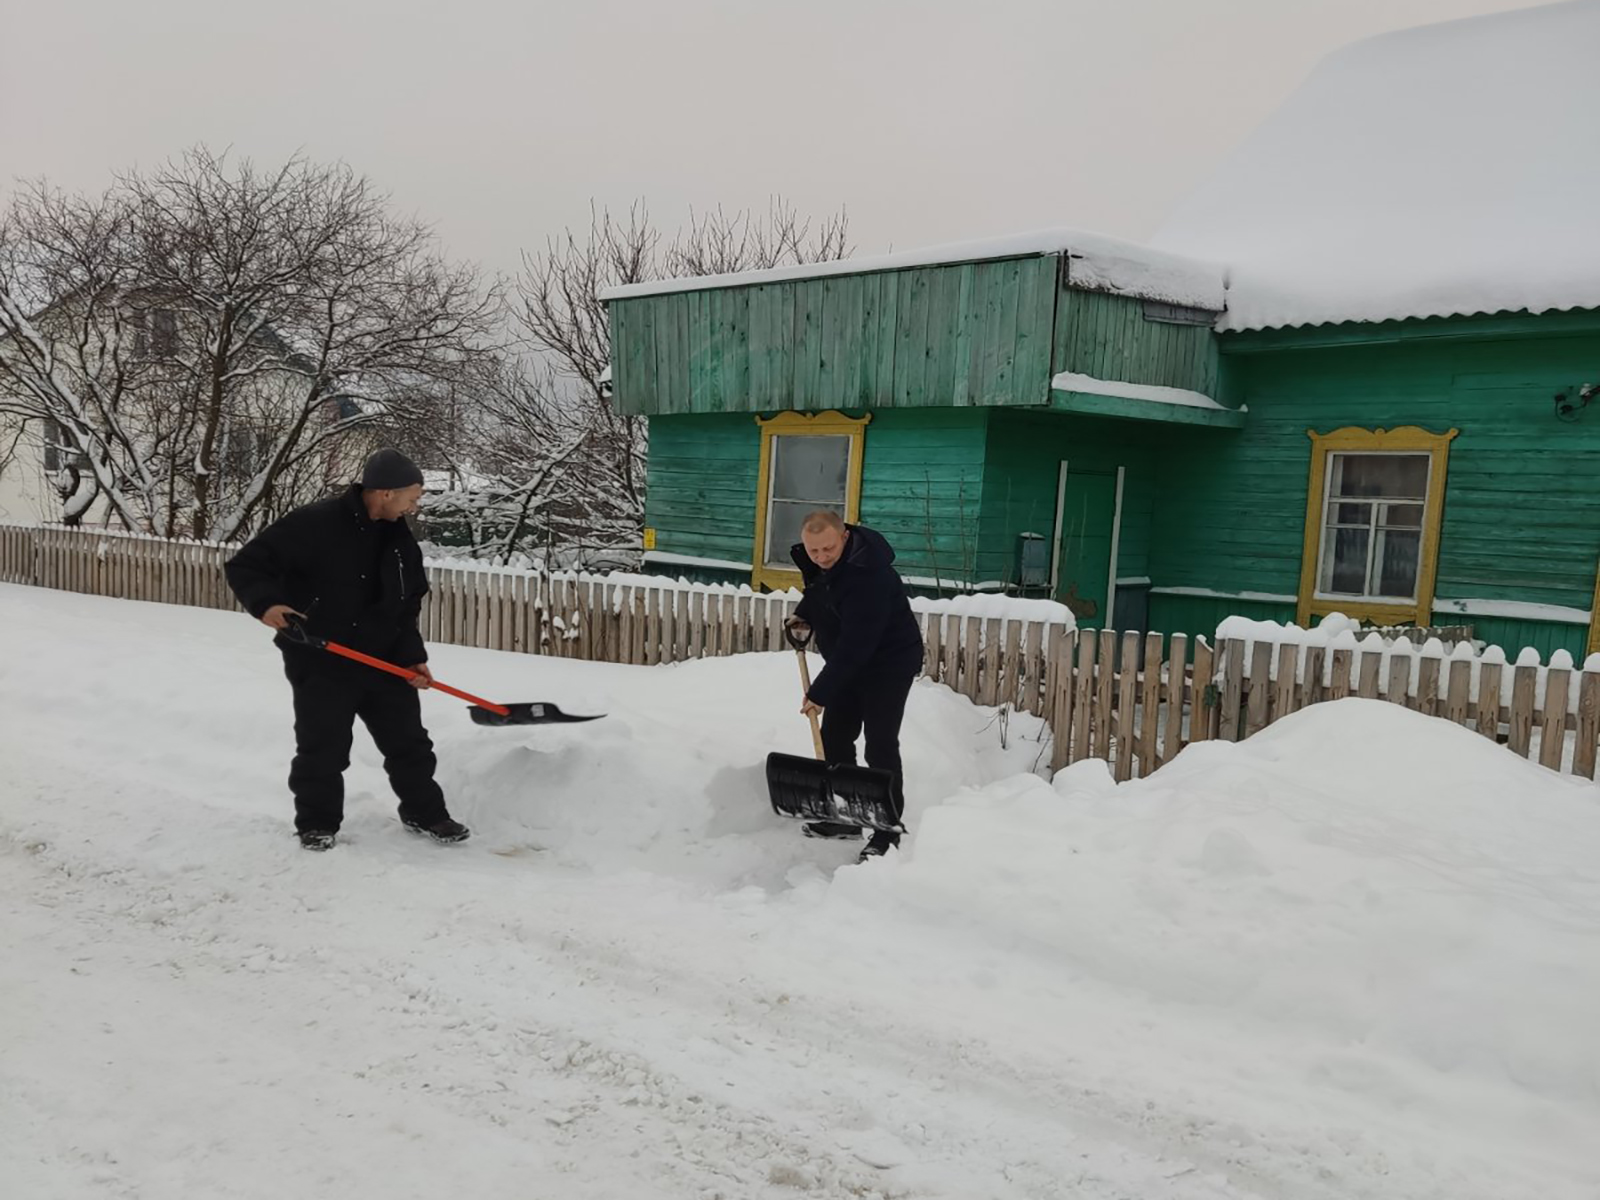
(65, 349)
(565, 323)
(218, 338)
(718, 244)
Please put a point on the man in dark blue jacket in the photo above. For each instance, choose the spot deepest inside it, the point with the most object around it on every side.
(855, 605)
(349, 569)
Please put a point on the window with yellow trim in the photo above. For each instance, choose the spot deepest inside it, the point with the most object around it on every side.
(1372, 526)
(808, 462)
(1374, 506)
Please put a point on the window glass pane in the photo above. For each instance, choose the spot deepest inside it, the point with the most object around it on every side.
(783, 528)
(1398, 475)
(1350, 514)
(163, 333)
(1344, 564)
(1398, 555)
(1407, 516)
(811, 469)
(1385, 491)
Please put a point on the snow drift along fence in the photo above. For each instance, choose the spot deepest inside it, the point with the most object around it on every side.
(1550, 713)
(1133, 699)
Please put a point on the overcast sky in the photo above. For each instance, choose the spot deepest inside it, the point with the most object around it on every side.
(498, 120)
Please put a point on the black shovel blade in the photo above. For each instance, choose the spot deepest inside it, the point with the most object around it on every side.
(532, 713)
(809, 790)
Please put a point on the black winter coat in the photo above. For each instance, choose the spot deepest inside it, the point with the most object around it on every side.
(360, 582)
(858, 611)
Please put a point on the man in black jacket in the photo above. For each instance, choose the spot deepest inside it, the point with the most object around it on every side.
(855, 605)
(349, 569)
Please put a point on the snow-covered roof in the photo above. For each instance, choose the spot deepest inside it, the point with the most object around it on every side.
(1098, 263)
(1446, 170)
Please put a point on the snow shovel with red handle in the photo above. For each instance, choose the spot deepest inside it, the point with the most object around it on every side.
(813, 790)
(484, 712)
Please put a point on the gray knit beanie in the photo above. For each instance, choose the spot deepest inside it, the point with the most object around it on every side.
(389, 469)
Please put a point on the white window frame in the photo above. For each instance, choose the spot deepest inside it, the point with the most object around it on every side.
(1374, 526)
(798, 424)
(769, 559)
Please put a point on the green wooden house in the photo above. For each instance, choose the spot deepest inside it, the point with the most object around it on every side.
(1351, 374)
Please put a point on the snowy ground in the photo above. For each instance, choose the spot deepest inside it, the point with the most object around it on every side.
(1356, 956)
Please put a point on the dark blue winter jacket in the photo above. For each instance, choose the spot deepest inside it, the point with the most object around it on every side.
(859, 614)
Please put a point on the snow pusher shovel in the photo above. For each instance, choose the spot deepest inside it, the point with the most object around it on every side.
(484, 712)
(809, 789)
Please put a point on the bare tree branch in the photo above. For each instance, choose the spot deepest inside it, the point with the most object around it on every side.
(205, 332)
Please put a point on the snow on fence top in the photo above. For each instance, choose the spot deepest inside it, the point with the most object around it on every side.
(1440, 171)
(1004, 608)
(100, 531)
(1098, 263)
(1339, 632)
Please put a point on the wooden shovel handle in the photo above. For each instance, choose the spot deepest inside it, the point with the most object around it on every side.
(805, 690)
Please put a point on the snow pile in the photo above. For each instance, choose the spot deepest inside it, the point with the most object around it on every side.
(1335, 628)
(1277, 968)
(1005, 608)
(1438, 171)
(1421, 918)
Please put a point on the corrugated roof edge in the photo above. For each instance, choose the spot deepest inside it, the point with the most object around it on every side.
(1228, 324)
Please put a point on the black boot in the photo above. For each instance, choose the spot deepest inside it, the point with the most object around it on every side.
(445, 831)
(316, 839)
(883, 841)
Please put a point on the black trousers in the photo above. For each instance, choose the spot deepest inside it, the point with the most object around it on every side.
(874, 705)
(328, 697)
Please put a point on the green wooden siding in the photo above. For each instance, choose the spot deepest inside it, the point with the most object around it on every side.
(921, 484)
(922, 476)
(1522, 513)
(1109, 337)
(1022, 470)
(700, 495)
(1512, 634)
(952, 489)
(1202, 614)
(950, 335)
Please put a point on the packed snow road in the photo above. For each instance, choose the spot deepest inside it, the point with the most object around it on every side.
(1247, 980)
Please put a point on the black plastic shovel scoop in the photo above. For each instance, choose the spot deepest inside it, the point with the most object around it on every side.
(809, 789)
(484, 712)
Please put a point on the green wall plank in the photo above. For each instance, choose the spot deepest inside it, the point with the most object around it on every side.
(953, 334)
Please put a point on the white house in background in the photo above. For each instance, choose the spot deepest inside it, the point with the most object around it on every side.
(28, 457)
(32, 451)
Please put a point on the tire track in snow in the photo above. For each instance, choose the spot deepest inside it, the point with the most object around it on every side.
(493, 1043)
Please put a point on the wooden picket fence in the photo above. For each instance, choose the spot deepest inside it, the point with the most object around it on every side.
(1552, 713)
(1134, 700)
(120, 565)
